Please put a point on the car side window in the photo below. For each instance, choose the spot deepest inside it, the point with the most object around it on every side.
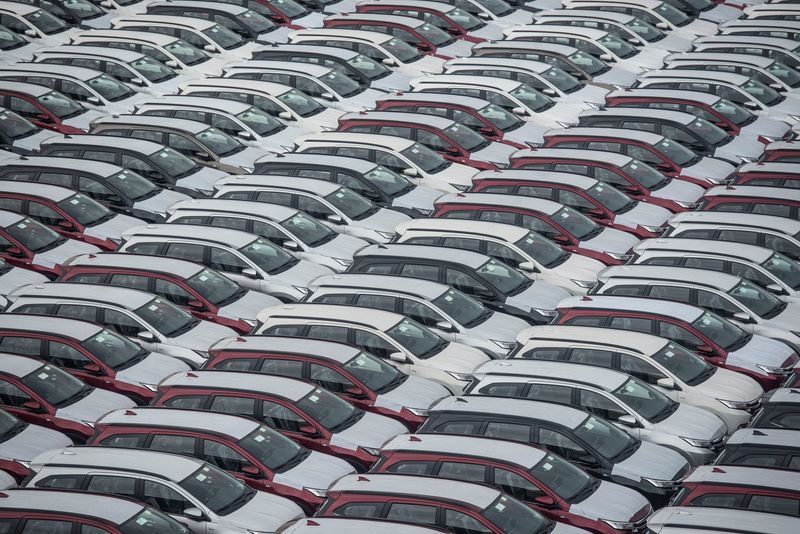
(173, 443)
(545, 354)
(508, 431)
(328, 333)
(426, 272)
(516, 485)
(30, 346)
(720, 500)
(560, 444)
(705, 263)
(504, 217)
(313, 207)
(535, 191)
(420, 312)
(12, 204)
(598, 404)
(121, 323)
(412, 513)
(739, 236)
(357, 509)
(464, 282)
(142, 167)
(234, 223)
(284, 330)
(679, 335)
(95, 190)
(46, 526)
(760, 460)
(281, 417)
(44, 214)
(222, 456)
(716, 303)
(374, 344)
(226, 262)
(378, 302)
(774, 504)
(131, 281)
(609, 177)
(75, 311)
(461, 523)
(164, 498)
(639, 368)
(463, 243)
(637, 324)
(149, 249)
(11, 395)
(187, 402)
(539, 226)
(65, 356)
(412, 468)
(377, 268)
(113, 485)
(781, 245)
(328, 378)
(468, 472)
(58, 482)
(596, 357)
(133, 441)
(550, 393)
(503, 390)
(245, 406)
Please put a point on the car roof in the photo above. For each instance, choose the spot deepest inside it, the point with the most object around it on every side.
(155, 38)
(61, 326)
(30, 89)
(185, 125)
(130, 299)
(759, 23)
(16, 365)
(7, 218)
(779, 193)
(529, 65)
(709, 75)
(511, 452)
(272, 212)
(524, 408)
(125, 56)
(338, 352)
(633, 341)
(700, 57)
(225, 105)
(66, 71)
(361, 166)
(46, 191)
(192, 23)
(477, 495)
(723, 282)
(506, 232)
(443, 98)
(453, 255)
(181, 268)
(524, 370)
(400, 116)
(702, 519)
(343, 53)
(663, 114)
(222, 236)
(560, 49)
(783, 395)
(621, 18)
(591, 33)
(752, 477)
(99, 140)
(613, 158)
(96, 167)
(378, 319)
(376, 38)
(112, 508)
(751, 253)
(412, 22)
(309, 69)
(765, 436)
(697, 96)
(18, 8)
(649, 138)
(422, 288)
(281, 386)
(213, 6)
(259, 86)
(548, 207)
(650, 4)
(757, 40)
(255, 181)
(337, 525)
(684, 312)
(234, 426)
(780, 224)
(456, 80)
(770, 166)
(433, 4)
(581, 181)
(392, 142)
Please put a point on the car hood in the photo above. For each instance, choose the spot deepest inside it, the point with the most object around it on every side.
(675, 41)
(281, 141)
(490, 32)
(363, 100)
(722, 13)
(371, 431)
(587, 93)
(325, 120)
(618, 77)
(644, 214)
(420, 197)
(152, 369)
(113, 228)
(730, 385)
(425, 65)
(788, 318)
(383, 220)
(159, 203)
(746, 147)
(393, 82)
(456, 173)
(31, 442)
(611, 240)
(500, 326)
(83, 120)
(99, 23)
(264, 513)
(562, 528)
(95, 405)
(761, 350)
(578, 267)
(278, 35)
(415, 392)
(459, 48)
(128, 105)
(540, 295)
(611, 501)
(342, 246)
(202, 336)
(317, 471)
(652, 461)
(647, 58)
(302, 273)
(203, 180)
(788, 107)
(63, 252)
(494, 152)
(529, 132)
(693, 422)
(248, 306)
(245, 159)
(708, 168)
(33, 142)
(17, 277)
(562, 115)
(457, 358)
(700, 28)
(764, 125)
(311, 20)
(679, 190)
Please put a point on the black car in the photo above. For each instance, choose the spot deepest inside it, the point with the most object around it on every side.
(780, 408)
(762, 447)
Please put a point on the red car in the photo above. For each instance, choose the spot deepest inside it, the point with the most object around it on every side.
(775, 201)
(631, 176)
(46, 108)
(745, 488)
(283, 12)
(783, 151)
(447, 17)
(597, 200)
(769, 173)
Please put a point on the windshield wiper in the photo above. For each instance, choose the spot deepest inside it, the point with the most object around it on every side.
(239, 293)
(294, 461)
(480, 319)
(739, 343)
(13, 431)
(188, 325)
(396, 381)
(350, 421)
(584, 492)
(72, 399)
(237, 503)
(140, 355)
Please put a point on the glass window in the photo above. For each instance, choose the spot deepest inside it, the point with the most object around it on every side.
(678, 294)
(44, 214)
(427, 272)
(133, 441)
(292, 368)
(719, 500)
(369, 509)
(636, 324)
(374, 344)
(420, 312)
(226, 262)
(89, 529)
(164, 498)
(328, 333)
(30, 346)
(328, 378)
(188, 402)
(150, 249)
(186, 251)
(504, 217)
(379, 302)
(545, 354)
(274, 197)
(462, 243)
(281, 417)
(461, 523)
(588, 320)
(596, 357)
(639, 368)
(560, 444)
(412, 513)
(516, 485)
(114, 485)
(412, 468)
(174, 444)
(503, 390)
(378, 269)
(463, 471)
(131, 281)
(59, 482)
(74, 311)
(65, 356)
(465, 282)
(550, 393)
(509, 431)
(12, 204)
(46, 526)
(11, 395)
(234, 405)
(459, 427)
(121, 323)
(774, 504)
(284, 330)
(679, 335)
(223, 456)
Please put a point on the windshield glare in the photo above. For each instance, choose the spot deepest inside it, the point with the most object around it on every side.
(371, 371)
(707, 131)
(152, 70)
(174, 163)
(45, 22)
(326, 408)
(733, 112)
(562, 80)
(84, 210)
(682, 363)
(306, 229)
(531, 98)
(350, 203)
(214, 488)
(258, 121)
(224, 37)
(14, 126)
(462, 308)
(301, 103)
(643, 399)
(513, 517)
(415, 338)
(60, 105)
(500, 118)
(150, 521)
(784, 269)
(501, 276)
(604, 438)
(164, 316)
(465, 137)
(587, 63)
(617, 46)
(561, 476)
(112, 349)
(213, 286)
(722, 332)
(265, 255)
(610, 197)
(219, 142)
(368, 66)
(645, 30)
(53, 384)
(404, 52)
(270, 447)
(425, 158)
(34, 236)
(755, 299)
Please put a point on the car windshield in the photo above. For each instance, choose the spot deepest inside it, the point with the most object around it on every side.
(186, 53)
(500, 118)
(371, 371)
(60, 105)
(644, 174)
(368, 67)
(497, 8)
(132, 185)
(301, 103)
(561, 476)
(351, 203)
(722, 332)
(216, 489)
(464, 19)
(401, 50)
(603, 437)
(214, 287)
(784, 73)
(173, 163)
(109, 88)
(152, 70)
(709, 132)
(55, 386)
(219, 142)
(542, 250)
(434, 35)
(513, 517)
(733, 112)
(45, 22)
(341, 84)
(562, 80)
(85, 210)
(784, 269)
(327, 409)
(270, 447)
(764, 94)
(531, 98)
(672, 15)
(575, 223)
(676, 152)
(610, 197)
(617, 46)
(150, 521)
(112, 349)
(389, 182)
(34, 236)
(15, 127)
(759, 301)
(224, 37)
(645, 30)
(587, 63)
(465, 137)
(307, 229)
(10, 40)
(643, 399)
(501, 276)
(166, 317)
(682, 363)
(260, 122)
(417, 339)
(425, 158)
(83, 9)
(255, 22)
(290, 8)
(268, 257)
(464, 309)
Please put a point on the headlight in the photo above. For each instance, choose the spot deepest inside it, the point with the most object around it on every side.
(687, 205)
(505, 345)
(620, 257)
(619, 525)
(654, 229)
(745, 160)
(301, 289)
(24, 463)
(460, 376)
(117, 242)
(423, 212)
(87, 423)
(545, 313)
(386, 235)
(735, 405)
(660, 483)
(586, 284)
(343, 262)
(370, 450)
(419, 412)
(774, 370)
(460, 187)
(317, 492)
(151, 387)
(701, 443)
(257, 531)
(248, 170)
(202, 354)
(251, 322)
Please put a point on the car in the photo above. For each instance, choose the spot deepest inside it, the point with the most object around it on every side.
(661, 152)
(14, 46)
(28, 244)
(664, 365)
(119, 189)
(503, 15)
(402, 155)
(708, 11)
(282, 12)
(559, 223)
(298, 233)
(254, 453)
(778, 410)
(497, 285)
(204, 293)
(360, 378)
(196, 140)
(633, 177)
(401, 341)
(13, 277)
(449, 313)
(138, 474)
(68, 213)
(599, 201)
(771, 201)
(19, 135)
(152, 322)
(762, 447)
(587, 441)
(525, 472)
(20, 442)
(100, 357)
(160, 164)
(778, 11)
(248, 259)
(45, 108)
(629, 403)
(39, 25)
(782, 151)
(776, 233)
(679, 519)
(705, 333)
(106, 513)
(42, 394)
(340, 208)
(334, 525)
(783, 29)
(771, 173)
(751, 308)
(741, 488)
(530, 253)
(762, 266)
(784, 50)
(314, 417)
(83, 13)
(768, 71)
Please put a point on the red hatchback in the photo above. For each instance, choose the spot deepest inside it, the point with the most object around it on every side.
(449, 18)
(46, 108)
(783, 151)
(774, 201)
(769, 174)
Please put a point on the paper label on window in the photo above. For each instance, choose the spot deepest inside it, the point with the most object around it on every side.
(203, 278)
(564, 215)
(74, 201)
(490, 267)
(152, 307)
(43, 376)
(259, 439)
(634, 166)
(669, 354)
(339, 195)
(201, 477)
(22, 226)
(164, 155)
(313, 398)
(256, 247)
(589, 426)
(448, 298)
(142, 521)
(403, 328)
(500, 507)
(547, 467)
(3, 117)
(100, 339)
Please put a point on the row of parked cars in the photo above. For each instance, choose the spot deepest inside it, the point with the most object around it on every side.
(466, 266)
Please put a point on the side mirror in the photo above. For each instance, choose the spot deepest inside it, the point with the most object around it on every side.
(527, 266)
(519, 110)
(628, 420)
(31, 33)
(328, 96)
(335, 219)
(606, 57)
(171, 63)
(389, 62)
(355, 391)
(244, 135)
(44, 117)
(107, 4)
(286, 115)
(249, 273)
(776, 288)
(662, 25)
(138, 81)
(708, 350)
(561, 239)
(586, 458)
(777, 87)
(94, 100)
(66, 225)
(666, 383)
(410, 172)
(210, 48)
(310, 430)
(484, 15)
(32, 406)
(549, 91)
(201, 155)
(743, 317)
(633, 41)
(545, 501)
(398, 357)
(14, 251)
(452, 151)
(116, 200)
(92, 368)
(751, 104)
(144, 335)
(194, 513)
(291, 245)
(598, 213)
(195, 305)
(445, 326)
(251, 470)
